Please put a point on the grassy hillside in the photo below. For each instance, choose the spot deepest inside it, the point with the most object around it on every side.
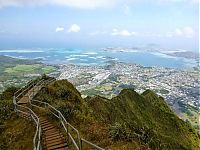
(128, 121)
(15, 132)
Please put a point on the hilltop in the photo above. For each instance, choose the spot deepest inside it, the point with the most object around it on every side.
(127, 121)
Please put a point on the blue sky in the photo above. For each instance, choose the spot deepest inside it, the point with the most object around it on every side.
(170, 24)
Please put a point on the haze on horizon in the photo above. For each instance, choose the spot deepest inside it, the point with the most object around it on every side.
(171, 24)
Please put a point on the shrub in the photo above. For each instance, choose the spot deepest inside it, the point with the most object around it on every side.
(120, 131)
(6, 104)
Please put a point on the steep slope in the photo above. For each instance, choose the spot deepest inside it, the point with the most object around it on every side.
(128, 121)
(148, 118)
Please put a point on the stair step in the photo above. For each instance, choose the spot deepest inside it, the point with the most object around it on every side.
(56, 142)
(53, 138)
(52, 130)
(43, 125)
(48, 128)
(47, 125)
(52, 134)
(44, 122)
(59, 146)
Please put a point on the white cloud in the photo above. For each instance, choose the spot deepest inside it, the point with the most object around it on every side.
(184, 32)
(74, 28)
(178, 32)
(91, 4)
(123, 32)
(85, 4)
(188, 31)
(60, 29)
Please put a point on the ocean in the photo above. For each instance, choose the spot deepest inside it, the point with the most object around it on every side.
(100, 57)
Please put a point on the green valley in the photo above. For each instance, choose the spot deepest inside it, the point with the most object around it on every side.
(17, 72)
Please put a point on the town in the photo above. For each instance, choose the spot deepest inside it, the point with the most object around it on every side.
(178, 87)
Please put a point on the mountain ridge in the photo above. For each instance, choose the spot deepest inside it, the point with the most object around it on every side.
(129, 119)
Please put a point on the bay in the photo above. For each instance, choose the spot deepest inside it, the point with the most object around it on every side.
(100, 57)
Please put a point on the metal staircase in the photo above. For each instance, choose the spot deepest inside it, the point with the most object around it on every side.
(47, 135)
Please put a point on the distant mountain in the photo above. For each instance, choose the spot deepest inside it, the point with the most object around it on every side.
(6, 60)
(127, 121)
(185, 54)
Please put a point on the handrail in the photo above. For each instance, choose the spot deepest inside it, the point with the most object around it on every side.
(25, 89)
(27, 84)
(61, 117)
(35, 118)
(91, 144)
(35, 87)
(66, 126)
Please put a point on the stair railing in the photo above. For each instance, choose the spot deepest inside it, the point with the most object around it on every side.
(27, 111)
(66, 125)
(36, 88)
(78, 141)
(21, 92)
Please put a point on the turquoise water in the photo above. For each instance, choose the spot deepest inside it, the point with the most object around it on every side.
(99, 57)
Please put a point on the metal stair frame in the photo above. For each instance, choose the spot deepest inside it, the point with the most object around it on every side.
(21, 109)
(36, 86)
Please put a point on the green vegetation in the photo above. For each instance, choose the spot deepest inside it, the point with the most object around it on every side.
(7, 62)
(16, 72)
(28, 69)
(48, 69)
(127, 121)
(15, 132)
(191, 113)
(90, 92)
(18, 69)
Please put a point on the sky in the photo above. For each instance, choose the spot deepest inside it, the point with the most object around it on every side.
(168, 24)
